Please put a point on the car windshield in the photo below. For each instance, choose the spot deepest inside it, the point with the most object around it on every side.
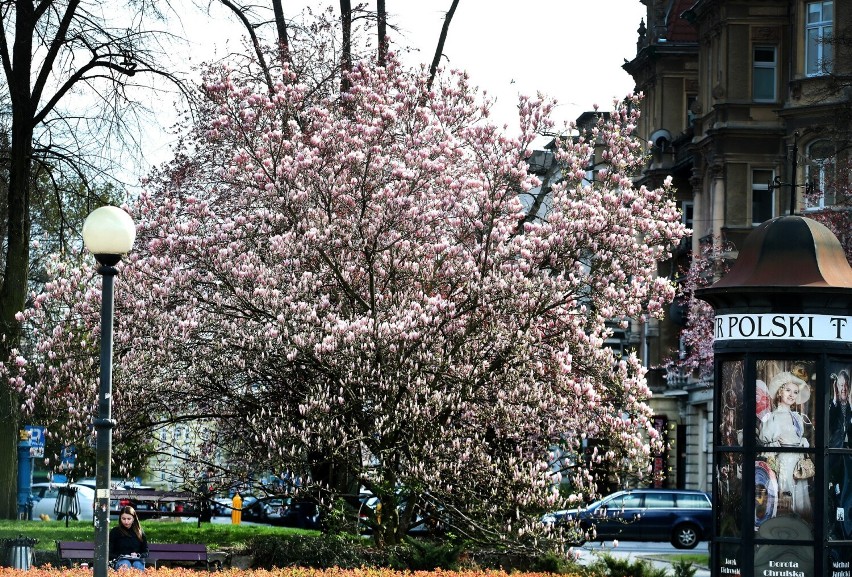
(592, 505)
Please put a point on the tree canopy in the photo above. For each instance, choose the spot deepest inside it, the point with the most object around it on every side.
(343, 287)
(69, 104)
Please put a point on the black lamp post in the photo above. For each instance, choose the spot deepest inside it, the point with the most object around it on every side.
(108, 233)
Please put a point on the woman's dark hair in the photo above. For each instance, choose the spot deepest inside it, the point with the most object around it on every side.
(135, 527)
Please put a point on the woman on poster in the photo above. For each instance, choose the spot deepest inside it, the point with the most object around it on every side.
(785, 427)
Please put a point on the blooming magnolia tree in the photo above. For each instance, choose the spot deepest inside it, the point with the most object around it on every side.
(697, 335)
(344, 287)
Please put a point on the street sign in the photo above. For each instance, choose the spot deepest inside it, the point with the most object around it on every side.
(36, 440)
(68, 458)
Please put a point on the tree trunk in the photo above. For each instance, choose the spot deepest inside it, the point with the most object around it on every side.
(8, 453)
(382, 16)
(13, 290)
(12, 298)
(281, 25)
(346, 57)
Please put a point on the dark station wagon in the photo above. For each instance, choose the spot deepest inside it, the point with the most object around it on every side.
(682, 517)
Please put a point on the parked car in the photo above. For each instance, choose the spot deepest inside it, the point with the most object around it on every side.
(222, 506)
(266, 510)
(282, 511)
(682, 517)
(423, 524)
(90, 482)
(81, 504)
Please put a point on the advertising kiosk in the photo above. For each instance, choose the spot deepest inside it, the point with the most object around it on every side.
(782, 446)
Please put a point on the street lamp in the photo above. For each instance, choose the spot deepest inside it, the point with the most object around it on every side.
(108, 233)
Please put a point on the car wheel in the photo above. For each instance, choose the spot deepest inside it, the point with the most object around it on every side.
(685, 536)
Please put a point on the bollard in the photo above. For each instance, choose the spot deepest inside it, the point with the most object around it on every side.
(20, 552)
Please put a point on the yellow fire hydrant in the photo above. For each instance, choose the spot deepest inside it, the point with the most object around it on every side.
(237, 511)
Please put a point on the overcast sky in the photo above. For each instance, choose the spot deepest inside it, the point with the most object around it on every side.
(571, 50)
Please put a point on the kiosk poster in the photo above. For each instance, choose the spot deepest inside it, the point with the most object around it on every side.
(784, 469)
(839, 413)
(838, 500)
(729, 465)
(36, 437)
(729, 498)
(731, 431)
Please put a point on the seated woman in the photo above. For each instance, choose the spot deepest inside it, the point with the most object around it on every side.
(128, 546)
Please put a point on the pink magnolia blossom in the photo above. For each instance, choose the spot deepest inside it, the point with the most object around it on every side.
(345, 288)
(697, 335)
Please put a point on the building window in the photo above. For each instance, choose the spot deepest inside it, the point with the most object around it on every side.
(763, 74)
(691, 109)
(820, 173)
(687, 209)
(818, 51)
(762, 196)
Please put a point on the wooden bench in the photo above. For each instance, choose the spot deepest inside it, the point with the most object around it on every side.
(71, 552)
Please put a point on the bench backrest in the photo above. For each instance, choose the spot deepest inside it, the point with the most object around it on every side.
(156, 551)
(76, 549)
(177, 551)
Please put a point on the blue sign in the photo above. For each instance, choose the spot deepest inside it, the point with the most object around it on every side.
(68, 458)
(36, 434)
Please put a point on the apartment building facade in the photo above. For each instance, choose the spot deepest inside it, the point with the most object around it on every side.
(747, 106)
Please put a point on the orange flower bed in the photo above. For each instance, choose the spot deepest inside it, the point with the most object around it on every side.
(49, 571)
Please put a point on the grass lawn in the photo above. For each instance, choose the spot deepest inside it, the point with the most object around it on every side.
(697, 559)
(215, 535)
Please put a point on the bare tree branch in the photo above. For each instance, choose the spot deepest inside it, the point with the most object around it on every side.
(59, 40)
(439, 51)
(240, 14)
